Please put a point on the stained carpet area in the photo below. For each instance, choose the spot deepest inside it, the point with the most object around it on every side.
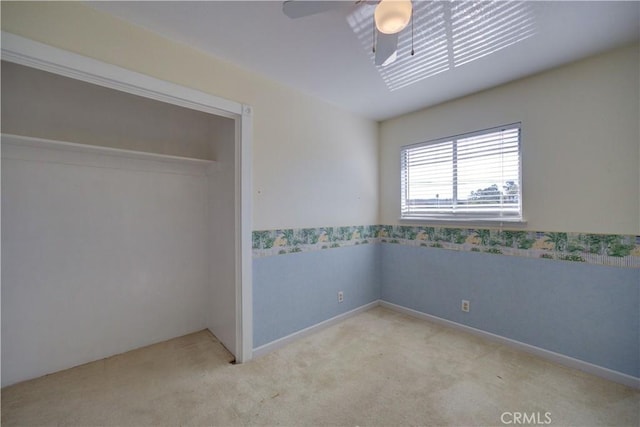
(377, 368)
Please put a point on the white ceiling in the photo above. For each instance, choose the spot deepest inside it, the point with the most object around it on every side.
(329, 55)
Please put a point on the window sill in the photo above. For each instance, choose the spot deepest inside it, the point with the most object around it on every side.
(457, 222)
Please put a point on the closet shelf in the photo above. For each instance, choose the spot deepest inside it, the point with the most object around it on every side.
(26, 141)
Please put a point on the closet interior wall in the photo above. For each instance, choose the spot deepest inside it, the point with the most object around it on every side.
(107, 250)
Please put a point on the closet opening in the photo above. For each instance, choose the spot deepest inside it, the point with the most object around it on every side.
(125, 212)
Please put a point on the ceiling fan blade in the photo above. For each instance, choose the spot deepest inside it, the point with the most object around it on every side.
(386, 47)
(299, 8)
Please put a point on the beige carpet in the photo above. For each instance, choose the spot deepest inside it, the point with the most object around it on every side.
(377, 368)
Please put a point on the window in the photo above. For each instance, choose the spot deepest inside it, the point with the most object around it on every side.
(475, 176)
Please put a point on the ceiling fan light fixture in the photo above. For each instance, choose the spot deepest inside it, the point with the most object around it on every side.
(392, 16)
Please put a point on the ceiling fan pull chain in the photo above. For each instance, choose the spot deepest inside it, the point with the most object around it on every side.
(412, 51)
(374, 35)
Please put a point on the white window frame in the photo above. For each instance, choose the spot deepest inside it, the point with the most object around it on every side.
(488, 216)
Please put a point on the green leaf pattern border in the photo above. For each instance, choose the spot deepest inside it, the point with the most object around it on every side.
(279, 242)
(604, 249)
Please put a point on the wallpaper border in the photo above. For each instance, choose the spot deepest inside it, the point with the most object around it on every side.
(603, 249)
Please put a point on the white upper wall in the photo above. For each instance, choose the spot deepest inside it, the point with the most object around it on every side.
(314, 164)
(580, 143)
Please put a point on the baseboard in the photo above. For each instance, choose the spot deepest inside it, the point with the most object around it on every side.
(568, 361)
(281, 342)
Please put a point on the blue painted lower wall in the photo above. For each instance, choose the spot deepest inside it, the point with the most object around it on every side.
(294, 291)
(589, 312)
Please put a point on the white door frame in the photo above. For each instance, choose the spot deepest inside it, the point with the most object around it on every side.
(48, 58)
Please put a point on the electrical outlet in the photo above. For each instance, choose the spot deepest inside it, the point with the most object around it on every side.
(340, 296)
(465, 305)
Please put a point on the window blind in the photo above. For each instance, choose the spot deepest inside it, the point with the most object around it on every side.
(474, 176)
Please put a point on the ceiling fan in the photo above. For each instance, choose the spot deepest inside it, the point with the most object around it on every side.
(390, 17)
